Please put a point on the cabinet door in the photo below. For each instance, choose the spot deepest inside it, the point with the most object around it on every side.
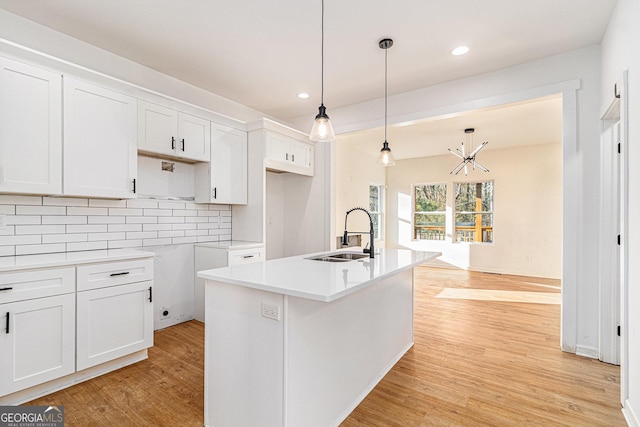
(38, 344)
(194, 138)
(278, 147)
(157, 129)
(301, 154)
(100, 154)
(228, 166)
(113, 322)
(30, 129)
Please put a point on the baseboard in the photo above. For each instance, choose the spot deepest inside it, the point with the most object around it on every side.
(35, 392)
(585, 351)
(371, 386)
(630, 415)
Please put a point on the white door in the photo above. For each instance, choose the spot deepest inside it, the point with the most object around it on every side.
(100, 153)
(30, 129)
(157, 129)
(300, 154)
(278, 147)
(37, 341)
(194, 138)
(229, 166)
(113, 322)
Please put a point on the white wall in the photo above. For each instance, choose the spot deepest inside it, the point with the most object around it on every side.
(576, 74)
(527, 210)
(620, 52)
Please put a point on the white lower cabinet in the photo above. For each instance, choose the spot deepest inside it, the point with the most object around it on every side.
(113, 322)
(37, 341)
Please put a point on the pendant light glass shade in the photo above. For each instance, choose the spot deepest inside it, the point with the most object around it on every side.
(322, 130)
(385, 158)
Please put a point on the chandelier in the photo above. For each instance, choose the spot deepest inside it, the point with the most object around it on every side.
(469, 158)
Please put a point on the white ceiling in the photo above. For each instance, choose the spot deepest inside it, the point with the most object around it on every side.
(262, 53)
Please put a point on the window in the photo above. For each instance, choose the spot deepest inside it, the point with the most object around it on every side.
(474, 212)
(429, 211)
(376, 206)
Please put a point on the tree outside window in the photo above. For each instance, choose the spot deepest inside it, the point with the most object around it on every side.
(429, 211)
(474, 212)
(376, 206)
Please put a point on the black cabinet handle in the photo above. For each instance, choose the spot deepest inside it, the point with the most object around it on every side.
(6, 289)
(150, 294)
(134, 185)
(119, 274)
(7, 327)
(215, 192)
(247, 256)
(286, 156)
(182, 144)
(173, 143)
(293, 157)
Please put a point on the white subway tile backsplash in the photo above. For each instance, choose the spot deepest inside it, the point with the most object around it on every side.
(106, 219)
(8, 199)
(39, 249)
(59, 219)
(117, 244)
(125, 211)
(64, 238)
(86, 246)
(40, 225)
(39, 229)
(157, 212)
(142, 235)
(103, 203)
(141, 220)
(156, 242)
(87, 211)
(30, 239)
(17, 220)
(124, 227)
(40, 210)
(94, 237)
(142, 203)
(156, 227)
(64, 201)
(7, 210)
(87, 228)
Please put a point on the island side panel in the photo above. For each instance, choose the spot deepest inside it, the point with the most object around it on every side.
(243, 357)
(338, 351)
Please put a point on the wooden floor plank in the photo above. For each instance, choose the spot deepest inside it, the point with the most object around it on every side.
(474, 363)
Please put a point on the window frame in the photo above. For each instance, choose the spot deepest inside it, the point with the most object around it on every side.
(414, 212)
(455, 212)
(380, 230)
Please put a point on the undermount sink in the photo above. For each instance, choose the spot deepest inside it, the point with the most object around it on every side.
(338, 257)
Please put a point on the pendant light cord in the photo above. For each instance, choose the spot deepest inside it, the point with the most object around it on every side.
(322, 58)
(385, 94)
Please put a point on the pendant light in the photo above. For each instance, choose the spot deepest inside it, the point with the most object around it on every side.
(385, 158)
(322, 130)
(467, 155)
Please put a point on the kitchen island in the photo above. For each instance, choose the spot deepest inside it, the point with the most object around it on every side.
(300, 341)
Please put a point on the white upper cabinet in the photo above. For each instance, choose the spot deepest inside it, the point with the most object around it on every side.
(165, 132)
(224, 179)
(288, 154)
(30, 129)
(100, 155)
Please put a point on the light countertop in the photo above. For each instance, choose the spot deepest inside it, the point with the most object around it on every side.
(317, 280)
(23, 262)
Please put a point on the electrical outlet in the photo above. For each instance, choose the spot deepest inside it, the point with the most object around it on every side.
(271, 311)
(165, 312)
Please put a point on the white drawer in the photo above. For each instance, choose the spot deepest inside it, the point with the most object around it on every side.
(245, 256)
(29, 284)
(107, 274)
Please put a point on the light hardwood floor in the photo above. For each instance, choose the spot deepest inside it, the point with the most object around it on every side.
(477, 360)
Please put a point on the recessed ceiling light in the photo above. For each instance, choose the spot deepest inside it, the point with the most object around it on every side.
(303, 95)
(460, 50)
